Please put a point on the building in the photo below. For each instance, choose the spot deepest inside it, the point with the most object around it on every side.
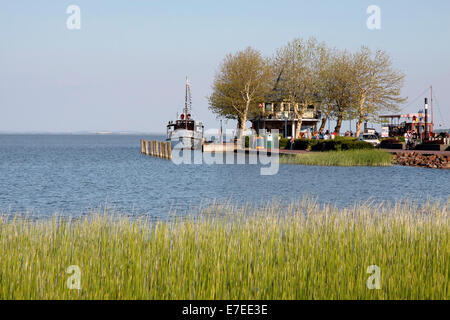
(280, 116)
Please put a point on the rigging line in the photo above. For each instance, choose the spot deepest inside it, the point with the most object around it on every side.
(439, 109)
(413, 101)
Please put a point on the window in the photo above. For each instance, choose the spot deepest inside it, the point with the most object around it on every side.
(287, 107)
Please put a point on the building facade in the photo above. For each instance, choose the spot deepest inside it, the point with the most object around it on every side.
(280, 116)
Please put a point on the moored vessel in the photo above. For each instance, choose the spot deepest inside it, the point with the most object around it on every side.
(185, 132)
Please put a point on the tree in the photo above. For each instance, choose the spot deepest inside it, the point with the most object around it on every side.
(376, 86)
(241, 83)
(298, 64)
(324, 71)
(340, 87)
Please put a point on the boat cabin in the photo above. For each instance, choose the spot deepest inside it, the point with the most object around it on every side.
(399, 124)
(185, 124)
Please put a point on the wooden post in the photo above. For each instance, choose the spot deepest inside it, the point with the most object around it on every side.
(157, 149)
(169, 149)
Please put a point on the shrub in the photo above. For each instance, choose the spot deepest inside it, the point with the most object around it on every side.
(341, 145)
(304, 144)
(284, 143)
(389, 141)
(440, 142)
(393, 140)
(345, 138)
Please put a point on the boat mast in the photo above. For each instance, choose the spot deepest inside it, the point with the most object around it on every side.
(432, 111)
(187, 101)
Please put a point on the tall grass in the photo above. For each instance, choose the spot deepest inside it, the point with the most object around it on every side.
(303, 251)
(341, 158)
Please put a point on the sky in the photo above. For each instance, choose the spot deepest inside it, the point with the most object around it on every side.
(125, 68)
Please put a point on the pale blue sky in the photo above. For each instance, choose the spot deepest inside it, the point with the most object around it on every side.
(125, 68)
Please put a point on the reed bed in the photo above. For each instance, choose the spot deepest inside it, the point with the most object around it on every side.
(369, 158)
(299, 251)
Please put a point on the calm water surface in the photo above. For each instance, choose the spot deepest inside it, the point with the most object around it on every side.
(72, 173)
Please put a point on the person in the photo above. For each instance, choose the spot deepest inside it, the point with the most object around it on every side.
(406, 136)
(307, 134)
(327, 135)
(316, 136)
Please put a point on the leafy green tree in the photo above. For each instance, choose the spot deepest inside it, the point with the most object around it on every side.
(243, 80)
(298, 64)
(340, 87)
(376, 85)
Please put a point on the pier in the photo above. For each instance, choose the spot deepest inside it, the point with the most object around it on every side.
(156, 149)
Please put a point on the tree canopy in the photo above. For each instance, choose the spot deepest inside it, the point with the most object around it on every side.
(342, 84)
(243, 80)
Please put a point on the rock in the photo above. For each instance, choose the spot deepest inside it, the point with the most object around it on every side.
(434, 161)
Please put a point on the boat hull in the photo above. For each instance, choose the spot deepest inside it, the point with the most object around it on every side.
(186, 139)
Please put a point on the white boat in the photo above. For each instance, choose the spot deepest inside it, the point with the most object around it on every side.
(185, 132)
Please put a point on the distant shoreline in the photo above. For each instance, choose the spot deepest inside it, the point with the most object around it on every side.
(100, 133)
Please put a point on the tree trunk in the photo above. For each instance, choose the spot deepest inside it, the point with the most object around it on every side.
(323, 124)
(241, 126)
(361, 115)
(340, 116)
(358, 126)
(298, 127)
(299, 116)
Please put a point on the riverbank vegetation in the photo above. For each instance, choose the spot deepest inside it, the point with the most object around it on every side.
(339, 84)
(298, 251)
(337, 144)
(369, 158)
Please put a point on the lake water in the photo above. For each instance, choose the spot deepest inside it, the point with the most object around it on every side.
(72, 173)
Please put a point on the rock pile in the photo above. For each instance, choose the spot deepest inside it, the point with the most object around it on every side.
(414, 159)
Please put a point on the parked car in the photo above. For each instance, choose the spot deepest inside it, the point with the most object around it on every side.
(370, 138)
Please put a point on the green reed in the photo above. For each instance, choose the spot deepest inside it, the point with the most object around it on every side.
(300, 251)
(349, 158)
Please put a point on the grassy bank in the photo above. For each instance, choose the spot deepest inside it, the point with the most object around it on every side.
(300, 252)
(373, 158)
